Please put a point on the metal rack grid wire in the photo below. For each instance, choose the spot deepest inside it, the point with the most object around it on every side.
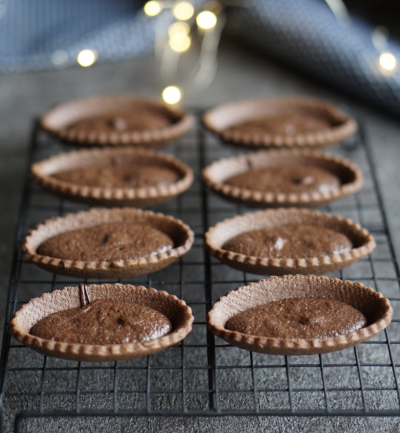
(203, 375)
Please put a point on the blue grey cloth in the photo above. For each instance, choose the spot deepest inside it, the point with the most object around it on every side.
(306, 35)
(41, 34)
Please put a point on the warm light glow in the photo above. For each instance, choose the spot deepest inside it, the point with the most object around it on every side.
(87, 58)
(206, 20)
(213, 6)
(180, 42)
(153, 8)
(388, 61)
(183, 11)
(172, 94)
(178, 28)
(59, 58)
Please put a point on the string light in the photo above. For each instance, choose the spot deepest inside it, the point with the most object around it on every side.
(87, 57)
(183, 11)
(153, 8)
(59, 58)
(178, 28)
(172, 94)
(206, 20)
(180, 42)
(387, 61)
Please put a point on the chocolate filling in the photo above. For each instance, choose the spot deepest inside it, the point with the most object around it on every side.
(288, 241)
(107, 242)
(104, 322)
(289, 123)
(136, 119)
(120, 175)
(287, 179)
(299, 318)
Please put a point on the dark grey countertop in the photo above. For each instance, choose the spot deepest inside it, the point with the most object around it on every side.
(241, 75)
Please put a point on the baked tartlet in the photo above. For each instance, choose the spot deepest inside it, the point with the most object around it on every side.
(281, 122)
(114, 177)
(176, 310)
(351, 243)
(90, 245)
(116, 120)
(374, 307)
(275, 178)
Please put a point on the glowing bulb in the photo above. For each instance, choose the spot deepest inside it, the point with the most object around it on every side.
(180, 42)
(206, 20)
(153, 8)
(183, 11)
(87, 57)
(172, 94)
(387, 61)
(178, 28)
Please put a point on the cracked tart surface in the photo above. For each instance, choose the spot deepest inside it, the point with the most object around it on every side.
(116, 120)
(107, 346)
(114, 177)
(288, 241)
(108, 243)
(277, 178)
(292, 332)
(280, 122)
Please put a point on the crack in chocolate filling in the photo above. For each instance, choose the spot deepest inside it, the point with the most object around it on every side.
(299, 318)
(104, 322)
(289, 241)
(120, 175)
(283, 124)
(287, 179)
(107, 242)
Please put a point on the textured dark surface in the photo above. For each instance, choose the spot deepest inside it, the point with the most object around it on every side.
(307, 36)
(241, 75)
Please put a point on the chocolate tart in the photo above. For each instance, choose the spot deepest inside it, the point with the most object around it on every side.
(122, 159)
(36, 309)
(281, 122)
(179, 232)
(216, 237)
(116, 120)
(349, 178)
(373, 305)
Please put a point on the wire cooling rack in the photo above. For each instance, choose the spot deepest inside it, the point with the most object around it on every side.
(203, 375)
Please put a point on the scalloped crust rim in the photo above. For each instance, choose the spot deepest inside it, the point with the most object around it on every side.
(221, 118)
(217, 235)
(56, 121)
(215, 174)
(181, 234)
(372, 304)
(29, 314)
(42, 172)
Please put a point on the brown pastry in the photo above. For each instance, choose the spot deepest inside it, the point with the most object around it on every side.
(108, 243)
(288, 241)
(283, 178)
(106, 322)
(114, 177)
(299, 315)
(286, 122)
(289, 178)
(299, 318)
(119, 176)
(116, 120)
